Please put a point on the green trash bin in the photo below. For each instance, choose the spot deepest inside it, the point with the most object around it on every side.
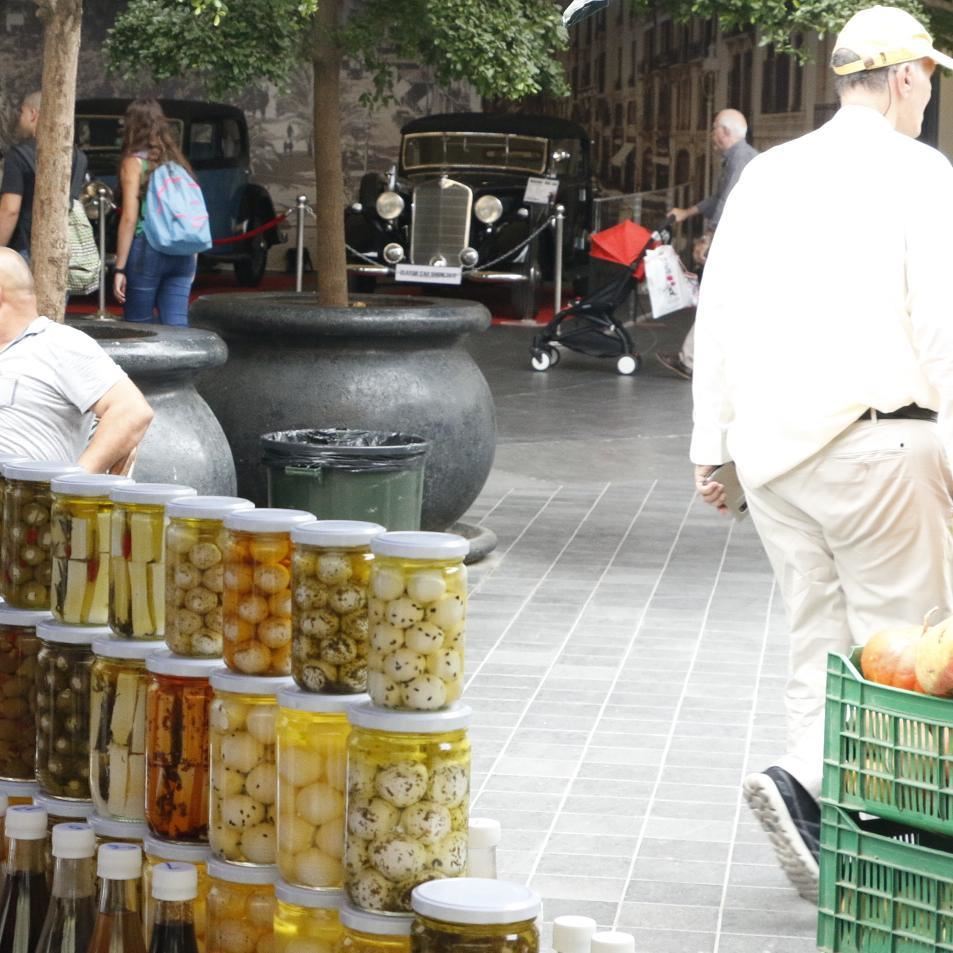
(348, 474)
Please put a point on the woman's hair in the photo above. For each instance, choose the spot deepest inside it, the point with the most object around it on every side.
(146, 130)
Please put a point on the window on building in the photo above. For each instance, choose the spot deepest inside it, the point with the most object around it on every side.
(647, 182)
(684, 113)
(664, 106)
(601, 72)
(649, 48)
(781, 82)
(618, 68)
(739, 82)
(632, 113)
(666, 37)
(632, 63)
(648, 105)
(586, 78)
(601, 21)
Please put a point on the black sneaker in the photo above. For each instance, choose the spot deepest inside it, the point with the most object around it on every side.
(672, 362)
(792, 821)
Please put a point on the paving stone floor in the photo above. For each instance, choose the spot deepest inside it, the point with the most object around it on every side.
(626, 657)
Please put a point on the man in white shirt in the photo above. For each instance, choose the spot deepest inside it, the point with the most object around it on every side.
(824, 347)
(55, 381)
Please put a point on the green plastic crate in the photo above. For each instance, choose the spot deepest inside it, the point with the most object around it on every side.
(887, 751)
(884, 888)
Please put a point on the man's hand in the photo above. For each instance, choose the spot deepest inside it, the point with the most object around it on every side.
(680, 214)
(712, 493)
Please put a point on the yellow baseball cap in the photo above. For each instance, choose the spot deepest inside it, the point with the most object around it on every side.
(884, 36)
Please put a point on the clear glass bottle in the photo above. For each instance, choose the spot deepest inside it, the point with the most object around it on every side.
(307, 921)
(27, 543)
(364, 932)
(158, 851)
(174, 887)
(79, 524)
(72, 911)
(484, 837)
(137, 558)
(330, 571)
(417, 616)
(19, 646)
(118, 926)
(241, 907)
(60, 811)
(25, 894)
(195, 573)
(117, 728)
(257, 598)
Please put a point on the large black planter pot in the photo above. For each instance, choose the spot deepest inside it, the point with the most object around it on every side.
(185, 443)
(396, 364)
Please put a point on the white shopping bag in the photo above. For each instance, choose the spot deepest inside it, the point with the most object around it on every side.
(670, 287)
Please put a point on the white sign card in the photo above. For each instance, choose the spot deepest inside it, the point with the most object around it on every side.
(429, 274)
(540, 191)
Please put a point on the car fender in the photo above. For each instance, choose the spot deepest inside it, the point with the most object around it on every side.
(257, 203)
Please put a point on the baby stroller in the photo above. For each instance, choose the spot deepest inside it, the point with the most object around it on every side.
(589, 324)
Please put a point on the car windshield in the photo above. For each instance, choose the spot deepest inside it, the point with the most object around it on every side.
(104, 133)
(474, 150)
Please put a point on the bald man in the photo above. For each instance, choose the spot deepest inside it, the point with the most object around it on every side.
(55, 381)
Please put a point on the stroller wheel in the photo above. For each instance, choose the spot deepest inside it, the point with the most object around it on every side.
(541, 360)
(628, 364)
(554, 356)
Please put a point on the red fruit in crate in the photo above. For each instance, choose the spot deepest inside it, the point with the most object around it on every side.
(888, 656)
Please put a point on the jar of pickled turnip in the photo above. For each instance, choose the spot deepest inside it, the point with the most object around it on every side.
(19, 792)
(80, 533)
(117, 731)
(195, 569)
(307, 921)
(64, 664)
(6, 458)
(472, 915)
(364, 932)
(124, 832)
(18, 650)
(178, 700)
(330, 570)
(312, 765)
(241, 908)
(137, 563)
(157, 851)
(242, 730)
(408, 785)
(26, 546)
(417, 615)
(257, 603)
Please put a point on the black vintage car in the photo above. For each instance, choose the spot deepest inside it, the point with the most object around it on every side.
(458, 198)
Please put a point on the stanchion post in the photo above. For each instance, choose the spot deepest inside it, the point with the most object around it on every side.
(558, 282)
(101, 202)
(299, 257)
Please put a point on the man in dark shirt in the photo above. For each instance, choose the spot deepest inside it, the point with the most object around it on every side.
(19, 180)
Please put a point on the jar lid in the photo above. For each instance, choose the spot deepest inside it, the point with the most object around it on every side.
(175, 850)
(65, 634)
(484, 832)
(119, 861)
(57, 807)
(475, 900)
(120, 830)
(224, 680)
(28, 789)
(240, 874)
(333, 533)
(411, 545)
(127, 648)
(168, 663)
(309, 897)
(454, 718)
(572, 934)
(88, 484)
(375, 924)
(26, 618)
(73, 841)
(175, 881)
(612, 941)
(39, 471)
(268, 520)
(297, 699)
(147, 493)
(6, 458)
(207, 507)
(26, 822)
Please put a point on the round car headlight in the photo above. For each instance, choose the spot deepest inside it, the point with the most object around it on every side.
(488, 209)
(389, 205)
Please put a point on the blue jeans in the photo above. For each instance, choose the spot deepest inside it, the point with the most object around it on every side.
(157, 282)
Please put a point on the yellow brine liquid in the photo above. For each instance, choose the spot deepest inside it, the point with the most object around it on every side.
(307, 921)
(240, 912)
(436, 936)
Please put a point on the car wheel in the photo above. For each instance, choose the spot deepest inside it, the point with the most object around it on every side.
(249, 271)
(525, 294)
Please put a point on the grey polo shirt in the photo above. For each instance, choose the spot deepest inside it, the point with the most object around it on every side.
(734, 160)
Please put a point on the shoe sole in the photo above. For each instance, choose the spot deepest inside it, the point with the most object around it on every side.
(793, 854)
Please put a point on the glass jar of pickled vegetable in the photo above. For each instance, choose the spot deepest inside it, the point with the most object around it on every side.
(6, 458)
(137, 563)
(117, 730)
(242, 729)
(330, 570)
(257, 603)
(26, 546)
(417, 615)
(307, 921)
(408, 785)
(125, 832)
(241, 907)
(64, 662)
(195, 569)
(80, 532)
(312, 765)
(476, 916)
(18, 650)
(364, 932)
(157, 851)
(19, 792)
(177, 745)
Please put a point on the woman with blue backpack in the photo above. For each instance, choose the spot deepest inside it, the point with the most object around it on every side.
(164, 221)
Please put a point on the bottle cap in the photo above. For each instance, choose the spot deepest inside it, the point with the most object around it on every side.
(328, 534)
(39, 471)
(484, 832)
(267, 520)
(175, 881)
(207, 507)
(375, 924)
(573, 934)
(73, 841)
(88, 484)
(119, 861)
(26, 822)
(612, 941)
(475, 900)
(149, 494)
(414, 545)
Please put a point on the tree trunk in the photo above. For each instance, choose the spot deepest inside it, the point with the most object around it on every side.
(330, 260)
(49, 250)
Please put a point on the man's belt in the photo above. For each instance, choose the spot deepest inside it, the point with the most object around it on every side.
(910, 412)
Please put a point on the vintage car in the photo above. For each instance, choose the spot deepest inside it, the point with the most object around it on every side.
(469, 189)
(214, 138)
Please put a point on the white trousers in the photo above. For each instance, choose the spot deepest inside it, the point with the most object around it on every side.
(859, 537)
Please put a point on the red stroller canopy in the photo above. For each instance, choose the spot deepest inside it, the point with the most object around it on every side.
(621, 244)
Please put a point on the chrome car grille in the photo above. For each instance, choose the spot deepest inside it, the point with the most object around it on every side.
(441, 222)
